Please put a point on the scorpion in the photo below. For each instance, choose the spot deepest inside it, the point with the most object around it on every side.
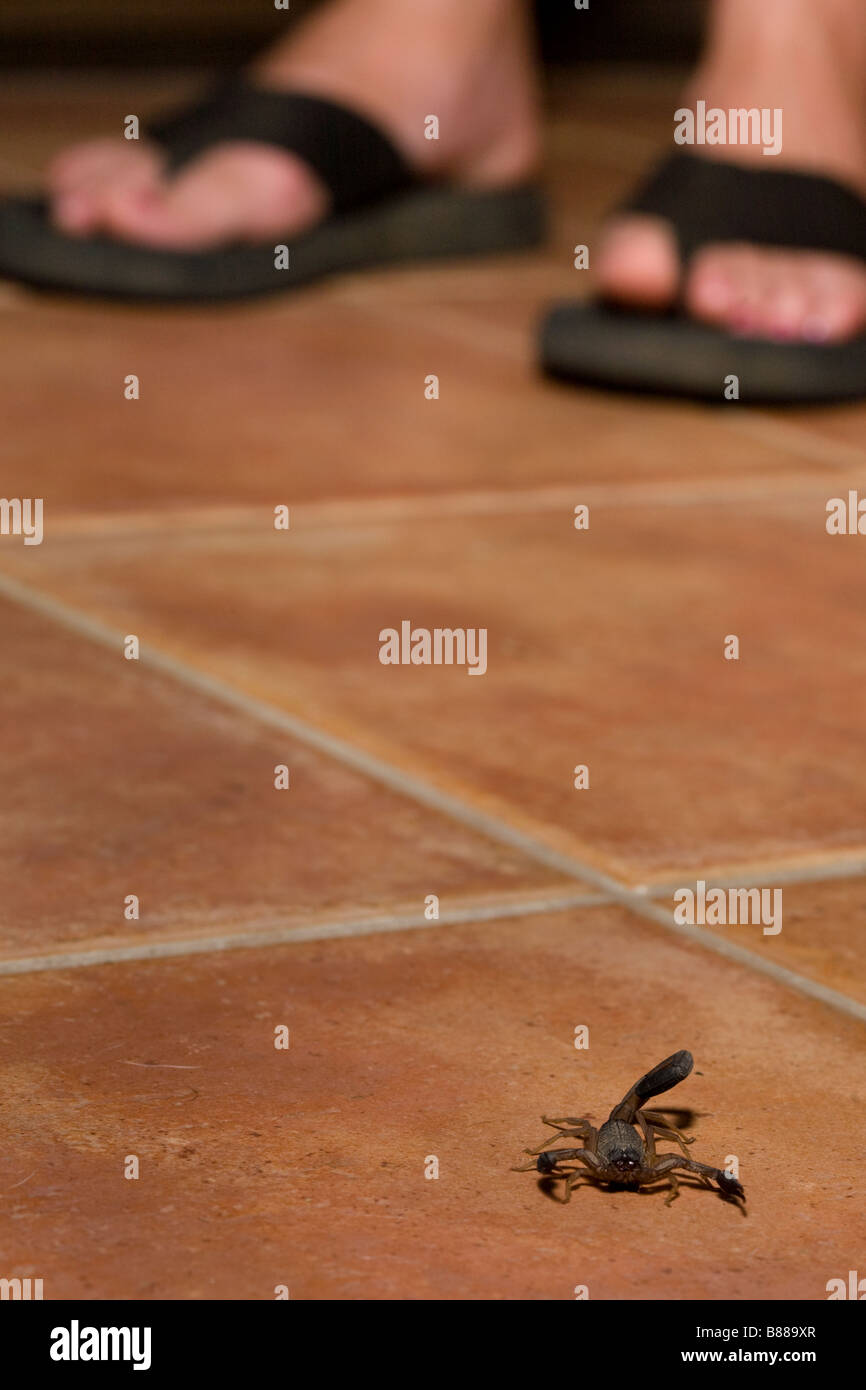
(623, 1150)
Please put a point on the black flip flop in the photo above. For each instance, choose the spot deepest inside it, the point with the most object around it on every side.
(707, 202)
(381, 213)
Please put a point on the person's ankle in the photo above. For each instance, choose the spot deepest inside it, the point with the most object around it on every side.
(817, 125)
(482, 139)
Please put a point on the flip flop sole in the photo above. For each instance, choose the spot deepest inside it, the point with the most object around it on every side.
(673, 355)
(426, 224)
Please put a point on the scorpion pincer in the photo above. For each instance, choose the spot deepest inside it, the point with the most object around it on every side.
(623, 1150)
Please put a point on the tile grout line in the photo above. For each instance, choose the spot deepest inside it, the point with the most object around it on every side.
(276, 935)
(750, 875)
(832, 454)
(353, 513)
(642, 907)
(419, 791)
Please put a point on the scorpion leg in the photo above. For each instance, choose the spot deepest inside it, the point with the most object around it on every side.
(662, 1167)
(651, 1131)
(547, 1159)
(658, 1117)
(728, 1186)
(571, 1181)
(665, 1131)
(592, 1161)
(655, 1163)
(648, 1132)
(552, 1139)
(584, 1131)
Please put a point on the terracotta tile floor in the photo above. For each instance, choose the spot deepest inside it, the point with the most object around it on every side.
(306, 1167)
(413, 1037)
(94, 798)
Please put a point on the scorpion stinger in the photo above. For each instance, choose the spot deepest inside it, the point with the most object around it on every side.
(623, 1149)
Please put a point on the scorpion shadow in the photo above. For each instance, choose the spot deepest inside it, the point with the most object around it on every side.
(547, 1186)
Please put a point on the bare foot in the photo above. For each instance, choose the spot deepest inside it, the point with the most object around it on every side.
(394, 61)
(810, 61)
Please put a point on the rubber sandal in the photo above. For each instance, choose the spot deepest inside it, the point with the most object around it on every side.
(381, 212)
(709, 202)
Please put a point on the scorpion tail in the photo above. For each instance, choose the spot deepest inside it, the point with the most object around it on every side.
(663, 1077)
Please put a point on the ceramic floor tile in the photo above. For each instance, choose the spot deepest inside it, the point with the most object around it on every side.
(324, 398)
(841, 427)
(117, 782)
(305, 1167)
(322, 394)
(605, 648)
(821, 934)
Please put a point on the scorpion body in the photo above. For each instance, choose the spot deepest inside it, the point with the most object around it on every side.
(623, 1150)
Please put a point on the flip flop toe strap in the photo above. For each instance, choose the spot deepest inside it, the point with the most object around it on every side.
(355, 160)
(708, 201)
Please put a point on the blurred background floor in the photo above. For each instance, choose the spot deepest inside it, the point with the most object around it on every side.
(412, 1038)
